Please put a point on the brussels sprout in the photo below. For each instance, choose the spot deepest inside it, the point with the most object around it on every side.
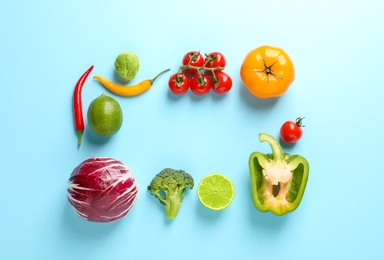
(127, 65)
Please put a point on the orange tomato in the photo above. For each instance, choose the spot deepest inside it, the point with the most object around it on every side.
(267, 72)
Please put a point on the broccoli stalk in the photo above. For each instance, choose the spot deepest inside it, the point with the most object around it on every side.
(172, 201)
(168, 186)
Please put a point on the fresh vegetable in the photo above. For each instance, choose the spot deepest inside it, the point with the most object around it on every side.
(204, 74)
(102, 189)
(278, 179)
(215, 60)
(193, 60)
(105, 115)
(215, 191)
(291, 132)
(169, 186)
(127, 65)
(128, 90)
(267, 72)
(78, 106)
(178, 83)
(222, 83)
(200, 84)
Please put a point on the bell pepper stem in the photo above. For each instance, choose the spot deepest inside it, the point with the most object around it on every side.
(277, 152)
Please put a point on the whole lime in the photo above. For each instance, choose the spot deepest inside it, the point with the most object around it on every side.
(104, 115)
(127, 65)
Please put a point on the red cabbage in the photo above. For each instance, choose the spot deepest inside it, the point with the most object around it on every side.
(102, 189)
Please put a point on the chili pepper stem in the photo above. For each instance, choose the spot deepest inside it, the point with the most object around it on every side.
(153, 80)
(79, 136)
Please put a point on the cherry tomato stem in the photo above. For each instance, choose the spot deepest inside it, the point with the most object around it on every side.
(299, 121)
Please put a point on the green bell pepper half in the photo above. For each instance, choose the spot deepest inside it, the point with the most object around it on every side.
(278, 179)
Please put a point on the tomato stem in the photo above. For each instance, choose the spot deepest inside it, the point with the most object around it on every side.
(179, 79)
(199, 68)
(299, 121)
(201, 80)
(268, 70)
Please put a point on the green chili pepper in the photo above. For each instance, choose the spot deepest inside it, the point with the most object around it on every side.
(278, 179)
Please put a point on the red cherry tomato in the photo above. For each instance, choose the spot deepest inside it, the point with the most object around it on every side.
(178, 83)
(215, 59)
(200, 84)
(291, 132)
(193, 58)
(222, 83)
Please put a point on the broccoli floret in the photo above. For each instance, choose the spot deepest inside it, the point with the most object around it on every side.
(168, 186)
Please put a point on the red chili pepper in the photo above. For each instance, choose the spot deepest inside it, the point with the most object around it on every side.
(77, 105)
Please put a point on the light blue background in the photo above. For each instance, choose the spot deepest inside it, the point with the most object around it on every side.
(337, 49)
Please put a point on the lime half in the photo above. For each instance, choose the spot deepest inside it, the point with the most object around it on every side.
(216, 191)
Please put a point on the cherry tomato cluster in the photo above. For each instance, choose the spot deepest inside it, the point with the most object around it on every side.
(201, 74)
